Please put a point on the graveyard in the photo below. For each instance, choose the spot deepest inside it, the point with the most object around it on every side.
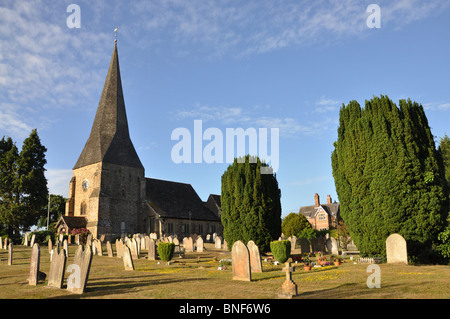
(208, 274)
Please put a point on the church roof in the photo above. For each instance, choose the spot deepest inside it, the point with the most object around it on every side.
(176, 200)
(109, 140)
(72, 221)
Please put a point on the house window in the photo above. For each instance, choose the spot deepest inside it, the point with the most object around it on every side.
(322, 217)
(83, 208)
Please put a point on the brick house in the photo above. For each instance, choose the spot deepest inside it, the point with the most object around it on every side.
(322, 216)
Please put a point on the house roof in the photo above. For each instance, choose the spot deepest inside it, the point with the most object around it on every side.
(310, 211)
(109, 140)
(176, 200)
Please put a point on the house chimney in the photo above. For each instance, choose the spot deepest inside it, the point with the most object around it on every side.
(328, 199)
(316, 199)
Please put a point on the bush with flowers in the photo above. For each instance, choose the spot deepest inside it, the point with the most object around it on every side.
(82, 232)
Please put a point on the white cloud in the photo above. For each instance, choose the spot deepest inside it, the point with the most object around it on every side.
(58, 181)
(437, 106)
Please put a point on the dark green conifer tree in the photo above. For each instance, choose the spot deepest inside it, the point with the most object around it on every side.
(388, 175)
(251, 208)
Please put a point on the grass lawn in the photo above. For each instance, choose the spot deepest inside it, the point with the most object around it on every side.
(190, 278)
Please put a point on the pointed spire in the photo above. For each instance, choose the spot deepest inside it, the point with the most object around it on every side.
(109, 140)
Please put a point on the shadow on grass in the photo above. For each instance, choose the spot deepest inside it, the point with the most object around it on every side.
(100, 287)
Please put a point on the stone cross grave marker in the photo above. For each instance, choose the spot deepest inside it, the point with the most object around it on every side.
(57, 269)
(289, 287)
(241, 262)
(34, 265)
(255, 257)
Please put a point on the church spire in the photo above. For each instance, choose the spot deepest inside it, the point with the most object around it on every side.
(109, 140)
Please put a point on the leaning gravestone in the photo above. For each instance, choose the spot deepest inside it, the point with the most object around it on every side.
(34, 265)
(50, 246)
(57, 269)
(127, 258)
(32, 240)
(82, 261)
(66, 248)
(25, 243)
(396, 251)
(255, 257)
(240, 262)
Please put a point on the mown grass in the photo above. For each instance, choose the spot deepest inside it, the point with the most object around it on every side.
(190, 278)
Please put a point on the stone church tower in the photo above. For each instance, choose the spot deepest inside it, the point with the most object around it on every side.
(108, 184)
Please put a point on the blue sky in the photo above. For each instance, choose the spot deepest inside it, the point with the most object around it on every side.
(232, 64)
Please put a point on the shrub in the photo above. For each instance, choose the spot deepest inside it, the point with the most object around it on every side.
(82, 232)
(281, 250)
(166, 250)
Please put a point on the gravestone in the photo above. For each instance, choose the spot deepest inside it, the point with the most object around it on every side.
(241, 262)
(34, 265)
(200, 245)
(127, 258)
(151, 250)
(119, 248)
(82, 259)
(109, 249)
(176, 241)
(293, 241)
(1, 242)
(225, 245)
(315, 244)
(99, 247)
(305, 246)
(89, 240)
(134, 249)
(66, 248)
(218, 242)
(289, 287)
(25, 243)
(61, 238)
(102, 238)
(32, 240)
(255, 257)
(332, 246)
(208, 237)
(50, 246)
(396, 251)
(57, 269)
(5, 243)
(143, 243)
(321, 243)
(10, 254)
(188, 244)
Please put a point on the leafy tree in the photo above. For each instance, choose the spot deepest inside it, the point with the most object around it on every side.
(23, 189)
(251, 208)
(444, 148)
(293, 224)
(57, 209)
(388, 175)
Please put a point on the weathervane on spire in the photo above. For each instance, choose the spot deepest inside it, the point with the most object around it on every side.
(115, 33)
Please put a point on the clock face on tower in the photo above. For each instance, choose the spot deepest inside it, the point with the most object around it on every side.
(85, 185)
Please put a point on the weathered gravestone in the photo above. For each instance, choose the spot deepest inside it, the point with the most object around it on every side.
(218, 242)
(57, 269)
(241, 262)
(315, 244)
(332, 246)
(293, 241)
(98, 247)
(32, 240)
(127, 258)
(200, 245)
(151, 250)
(34, 265)
(305, 246)
(255, 257)
(188, 244)
(119, 248)
(396, 251)
(81, 267)
(66, 248)
(25, 243)
(10, 254)
(133, 248)
(109, 249)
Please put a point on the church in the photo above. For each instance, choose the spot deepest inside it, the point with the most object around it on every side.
(109, 193)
